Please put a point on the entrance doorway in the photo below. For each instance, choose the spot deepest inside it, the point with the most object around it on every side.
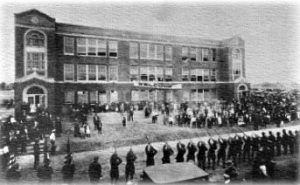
(36, 95)
(242, 91)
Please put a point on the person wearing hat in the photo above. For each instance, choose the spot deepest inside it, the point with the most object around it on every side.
(247, 148)
(272, 141)
(68, 169)
(285, 141)
(130, 168)
(95, 171)
(150, 152)
(167, 152)
(180, 152)
(45, 172)
(36, 153)
(211, 155)
(191, 151)
(222, 151)
(291, 142)
(201, 155)
(115, 161)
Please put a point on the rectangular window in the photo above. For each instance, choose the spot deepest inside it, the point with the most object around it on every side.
(144, 73)
(206, 94)
(144, 95)
(199, 75)
(134, 73)
(168, 53)
(82, 97)
(214, 54)
(69, 97)
(68, 46)
(169, 96)
(133, 50)
(93, 97)
(113, 73)
(193, 74)
(81, 72)
(185, 54)
(200, 94)
(35, 61)
(152, 51)
(92, 46)
(159, 52)
(151, 72)
(185, 74)
(237, 68)
(102, 97)
(102, 72)
(92, 72)
(81, 46)
(114, 96)
(194, 95)
(135, 95)
(168, 74)
(213, 75)
(193, 54)
(185, 95)
(68, 72)
(102, 46)
(113, 49)
(205, 54)
(206, 75)
(144, 51)
(160, 73)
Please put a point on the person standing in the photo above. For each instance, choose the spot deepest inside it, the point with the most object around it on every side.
(115, 161)
(201, 155)
(95, 171)
(211, 156)
(150, 152)
(130, 168)
(222, 151)
(68, 170)
(285, 141)
(45, 172)
(191, 151)
(246, 148)
(36, 153)
(96, 121)
(278, 143)
(180, 152)
(167, 152)
(272, 141)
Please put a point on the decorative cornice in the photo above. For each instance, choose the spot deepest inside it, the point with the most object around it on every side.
(34, 75)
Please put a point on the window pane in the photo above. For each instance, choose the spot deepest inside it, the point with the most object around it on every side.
(113, 96)
(92, 72)
(113, 48)
(160, 52)
(93, 97)
(205, 54)
(92, 45)
(134, 72)
(69, 71)
(152, 51)
(81, 46)
(185, 53)
(206, 74)
(68, 45)
(81, 72)
(101, 48)
(70, 97)
(199, 75)
(35, 61)
(168, 52)
(135, 95)
(102, 72)
(35, 39)
(144, 73)
(193, 54)
(133, 50)
(159, 73)
(185, 74)
(102, 97)
(82, 97)
(144, 51)
(193, 74)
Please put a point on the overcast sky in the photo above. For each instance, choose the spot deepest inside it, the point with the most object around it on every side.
(270, 31)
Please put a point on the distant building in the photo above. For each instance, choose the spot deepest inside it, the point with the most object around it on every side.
(58, 63)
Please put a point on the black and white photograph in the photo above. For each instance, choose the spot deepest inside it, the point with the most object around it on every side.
(149, 92)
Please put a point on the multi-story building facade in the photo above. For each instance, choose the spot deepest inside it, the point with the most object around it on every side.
(59, 64)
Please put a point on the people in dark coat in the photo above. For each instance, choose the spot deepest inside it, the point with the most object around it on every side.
(285, 141)
(278, 143)
(222, 151)
(130, 168)
(247, 148)
(167, 152)
(272, 141)
(180, 152)
(211, 155)
(13, 174)
(201, 155)
(291, 142)
(95, 171)
(45, 172)
(36, 153)
(96, 121)
(68, 170)
(239, 144)
(124, 122)
(115, 161)
(150, 152)
(254, 145)
(191, 151)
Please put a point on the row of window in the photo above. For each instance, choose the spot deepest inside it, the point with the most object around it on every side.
(90, 72)
(198, 54)
(103, 97)
(150, 51)
(91, 47)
